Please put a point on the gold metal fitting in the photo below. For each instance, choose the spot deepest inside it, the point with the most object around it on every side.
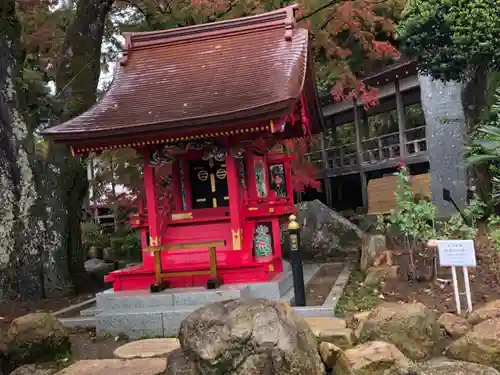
(292, 224)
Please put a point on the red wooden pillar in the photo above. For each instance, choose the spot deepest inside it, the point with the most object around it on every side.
(233, 186)
(143, 231)
(152, 206)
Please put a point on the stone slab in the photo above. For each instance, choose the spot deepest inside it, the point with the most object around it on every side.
(201, 296)
(75, 306)
(314, 311)
(149, 348)
(134, 299)
(135, 323)
(91, 311)
(149, 366)
(446, 128)
(338, 288)
(79, 322)
(322, 323)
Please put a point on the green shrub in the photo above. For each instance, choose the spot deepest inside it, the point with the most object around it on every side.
(92, 235)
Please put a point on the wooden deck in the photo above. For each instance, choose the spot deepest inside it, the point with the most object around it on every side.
(377, 153)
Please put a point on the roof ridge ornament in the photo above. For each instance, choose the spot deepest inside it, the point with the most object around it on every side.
(290, 22)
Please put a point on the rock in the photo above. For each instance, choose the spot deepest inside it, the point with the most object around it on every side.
(445, 366)
(488, 311)
(375, 275)
(249, 337)
(343, 338)
(480, 345)
(98, 269)
(412, 327)
(455, 326)
(324, 323)
(385, 258)
(373, 358)
(179, 364)
(329, 354)
(325, 231)
(36, 337)
(33, 370)
(142, 366)
(147, 348)
(372, 246)
(359, 317)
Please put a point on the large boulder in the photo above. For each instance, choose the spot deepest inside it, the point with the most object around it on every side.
(249, 337)
(34, 338)
(325, 232)
(329, 354)
(488, 311)
(34, 369)
(97, 269)
(445, 366)
(373, 358)
(412, 327)
(453, 325)
(479, 345)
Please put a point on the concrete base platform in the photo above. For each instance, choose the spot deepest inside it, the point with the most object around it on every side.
(141, 314)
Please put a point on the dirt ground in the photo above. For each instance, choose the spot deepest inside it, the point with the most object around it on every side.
(16, 308)
(437, 295)
(84, 345)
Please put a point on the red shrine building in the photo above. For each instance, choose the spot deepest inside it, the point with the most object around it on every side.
(208, 103)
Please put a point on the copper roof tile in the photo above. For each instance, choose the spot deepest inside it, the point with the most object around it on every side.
(197, 77)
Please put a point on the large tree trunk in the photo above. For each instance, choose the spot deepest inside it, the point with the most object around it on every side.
(22, 228)
(76, 82)
(41, 200)
(474, 100)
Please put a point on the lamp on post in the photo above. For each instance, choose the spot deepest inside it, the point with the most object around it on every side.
(296, 260)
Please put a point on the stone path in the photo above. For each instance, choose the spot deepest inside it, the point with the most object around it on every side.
(143, 366)
(148, 357)
(149, 348)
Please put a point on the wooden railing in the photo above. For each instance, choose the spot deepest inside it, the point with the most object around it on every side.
(374, 150)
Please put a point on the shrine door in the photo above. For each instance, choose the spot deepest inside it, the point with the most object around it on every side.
(208, 180)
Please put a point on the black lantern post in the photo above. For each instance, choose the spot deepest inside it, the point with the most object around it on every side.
(296, 260)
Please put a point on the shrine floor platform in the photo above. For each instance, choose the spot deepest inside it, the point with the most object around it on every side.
(140, 314)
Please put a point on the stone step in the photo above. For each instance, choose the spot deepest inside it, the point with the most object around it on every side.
(78, 322)
(143, 322)
(91, 311)
(112, 301)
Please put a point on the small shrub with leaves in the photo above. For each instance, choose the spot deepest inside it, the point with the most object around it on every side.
(413, 218)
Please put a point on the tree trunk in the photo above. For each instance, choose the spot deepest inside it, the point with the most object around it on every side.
(41, 200)
(77, 78)
(474, 100)
(22, 228)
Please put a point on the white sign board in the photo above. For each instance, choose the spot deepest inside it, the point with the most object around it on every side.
(456, 253)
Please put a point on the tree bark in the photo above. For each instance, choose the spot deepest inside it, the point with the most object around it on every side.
(41, 198)
(22, 227)
(77, 78)
(474, 100)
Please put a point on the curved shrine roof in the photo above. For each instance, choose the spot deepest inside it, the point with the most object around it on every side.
(192, 78)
